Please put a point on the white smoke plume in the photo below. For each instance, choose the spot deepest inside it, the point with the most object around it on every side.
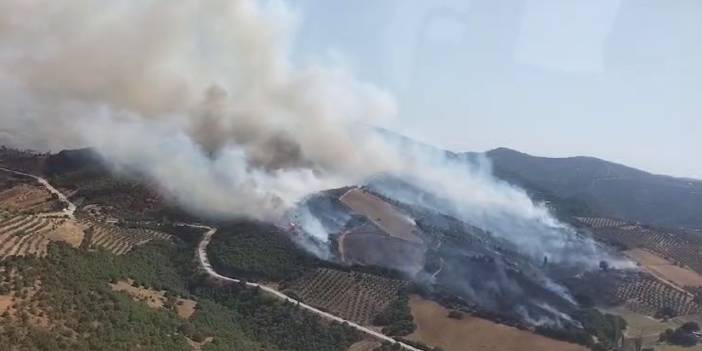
(202, 97)
(198, 95)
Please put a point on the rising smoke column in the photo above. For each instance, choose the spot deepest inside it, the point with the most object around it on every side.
(201, 97)
(197, 95)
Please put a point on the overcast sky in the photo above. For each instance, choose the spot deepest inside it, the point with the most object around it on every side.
(615, 79)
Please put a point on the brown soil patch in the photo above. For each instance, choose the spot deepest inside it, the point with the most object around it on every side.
(197, 346)
(68, 231)
(23, 196)
(664, 269)
(6, 302)
(435, 329)
(364, 345)
(185, 308)
(382, 214)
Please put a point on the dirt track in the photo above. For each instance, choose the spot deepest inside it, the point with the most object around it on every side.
(70, 207)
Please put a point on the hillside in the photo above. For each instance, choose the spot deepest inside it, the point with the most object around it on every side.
(587, 184)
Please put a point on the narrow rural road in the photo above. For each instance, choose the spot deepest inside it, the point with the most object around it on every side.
(70, 206)
(205, 263)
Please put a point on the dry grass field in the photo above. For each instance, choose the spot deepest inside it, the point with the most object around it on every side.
(351, 295)
(664, 269)
(26, 198)
(382, 214)
(435, 329)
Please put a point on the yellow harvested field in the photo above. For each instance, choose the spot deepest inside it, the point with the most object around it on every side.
(68, 231)
(6, 302)
(435, 329)
(382, 214)
(664, 269)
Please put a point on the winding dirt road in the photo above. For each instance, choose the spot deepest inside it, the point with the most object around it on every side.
(70, 206)
(205, 263)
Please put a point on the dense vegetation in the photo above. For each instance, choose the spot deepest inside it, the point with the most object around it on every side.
(396, 318)
(257, 251)
(65, 303)
(683, 336)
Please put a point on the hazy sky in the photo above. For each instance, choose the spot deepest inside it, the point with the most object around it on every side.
(616, 79)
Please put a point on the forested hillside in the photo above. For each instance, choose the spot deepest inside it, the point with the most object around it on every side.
(587, 185)
(65, 302)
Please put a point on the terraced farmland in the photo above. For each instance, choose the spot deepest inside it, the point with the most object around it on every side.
(120, 240)
(351, 295)
(27, 199)
(26, 235)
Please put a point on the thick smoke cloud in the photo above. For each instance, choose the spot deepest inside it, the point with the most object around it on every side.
(201, 97)
(198, 95)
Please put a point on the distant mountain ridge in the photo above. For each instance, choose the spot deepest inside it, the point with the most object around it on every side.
(593, 186)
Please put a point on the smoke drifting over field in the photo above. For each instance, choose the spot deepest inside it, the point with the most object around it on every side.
(201, 97)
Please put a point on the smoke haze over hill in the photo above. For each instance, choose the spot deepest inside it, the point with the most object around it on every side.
(201, 97)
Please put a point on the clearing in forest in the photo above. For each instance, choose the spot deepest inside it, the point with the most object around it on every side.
(26, 235)
(155, 299)
(382, 214)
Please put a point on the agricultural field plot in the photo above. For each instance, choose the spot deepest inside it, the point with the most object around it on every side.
(681, 249)
(25, 198)
(601, 222)
(120, 240)
(26, 235)
(355, 296)
(645, 294)
(674, 247)
(382, 214)
(640, 326)
(436, 329)
(666, 270)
